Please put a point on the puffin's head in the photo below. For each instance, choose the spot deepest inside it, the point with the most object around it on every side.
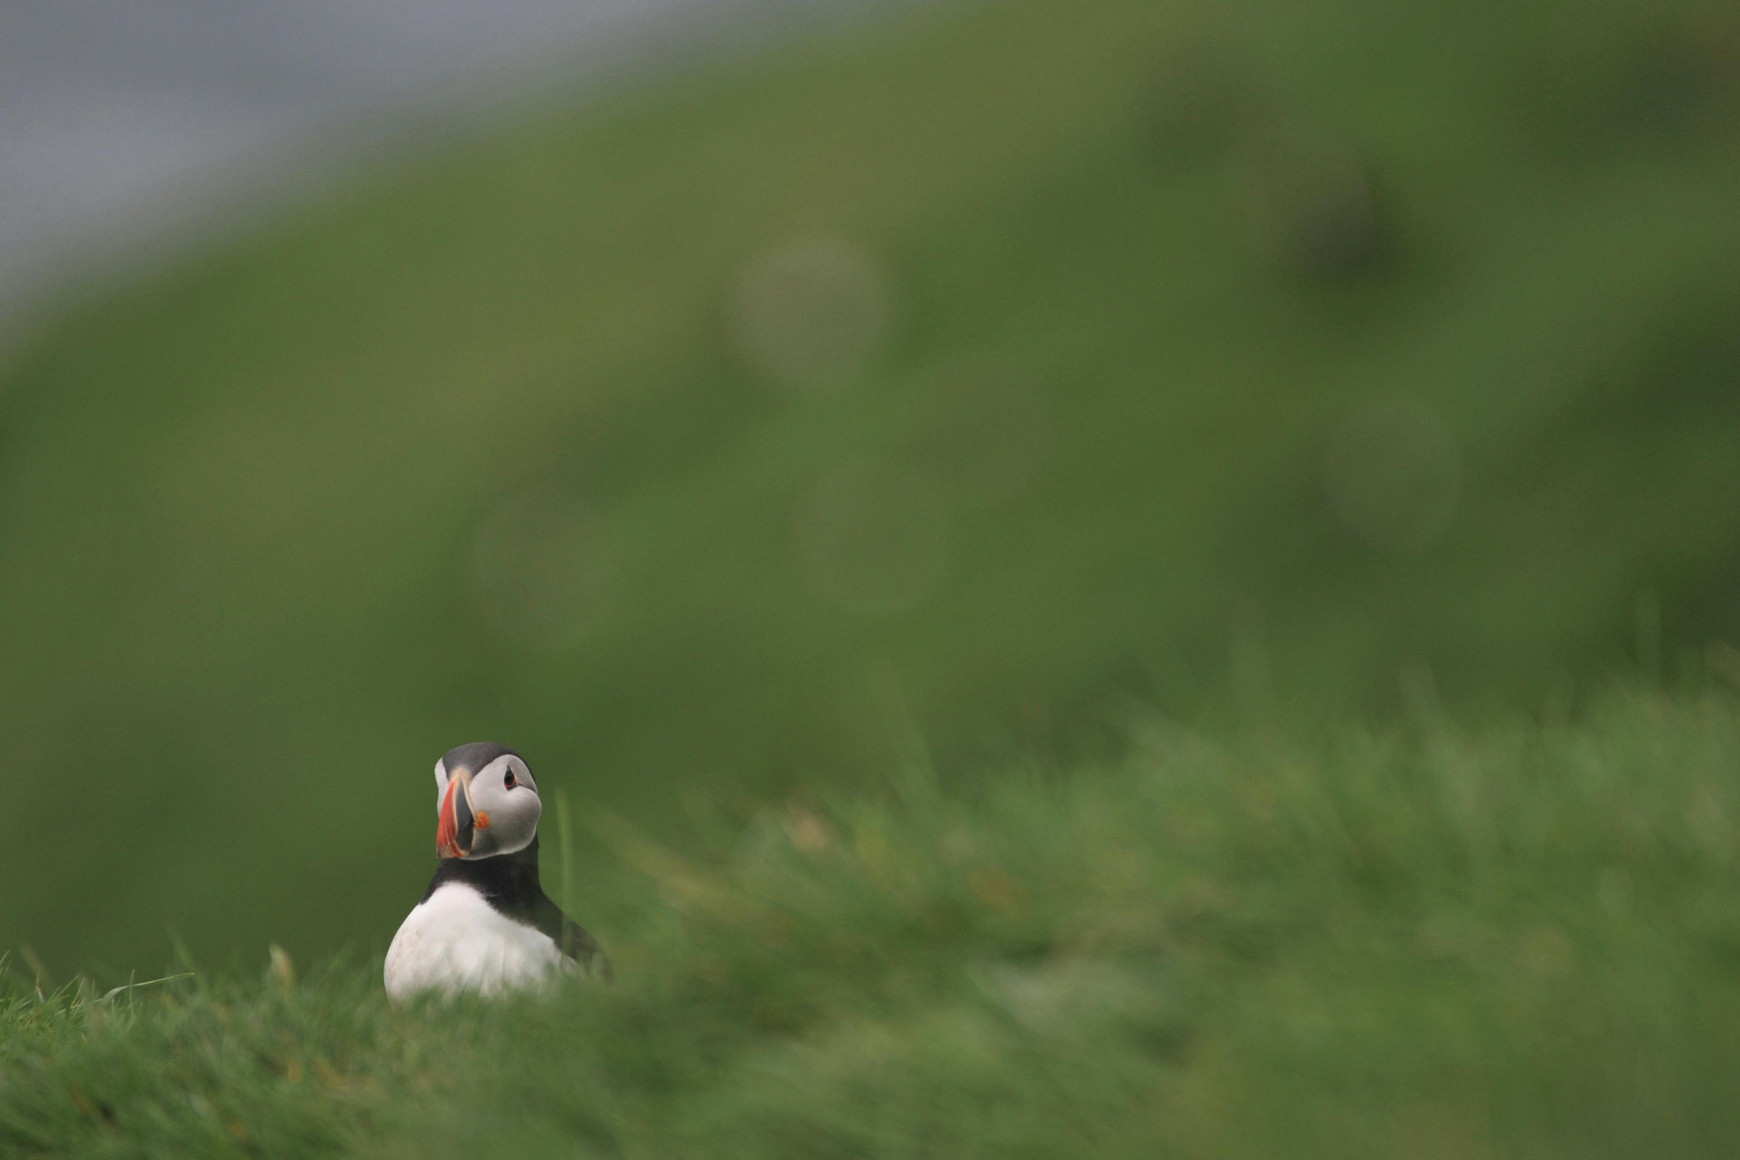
(487, 802)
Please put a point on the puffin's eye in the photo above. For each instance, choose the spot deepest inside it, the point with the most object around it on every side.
(508, 780)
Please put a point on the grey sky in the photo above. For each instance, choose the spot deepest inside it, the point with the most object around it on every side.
(124, 120)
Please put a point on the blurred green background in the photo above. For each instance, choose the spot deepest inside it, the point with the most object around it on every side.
(944, 386)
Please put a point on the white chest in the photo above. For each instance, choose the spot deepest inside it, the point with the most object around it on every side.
(456, 942)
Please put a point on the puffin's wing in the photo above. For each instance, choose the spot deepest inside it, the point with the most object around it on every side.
(584, 949)
(572, 939)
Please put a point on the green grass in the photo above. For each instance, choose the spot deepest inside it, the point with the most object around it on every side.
(1519, 942)
(1182, 419)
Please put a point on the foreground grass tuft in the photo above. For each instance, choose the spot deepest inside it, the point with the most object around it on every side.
(1521, 942)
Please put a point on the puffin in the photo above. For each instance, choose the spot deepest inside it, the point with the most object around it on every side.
(485, 925)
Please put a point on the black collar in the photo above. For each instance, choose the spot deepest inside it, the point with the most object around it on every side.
(509, 883)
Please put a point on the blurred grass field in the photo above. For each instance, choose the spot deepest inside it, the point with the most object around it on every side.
(950, 386)
(1427, 942)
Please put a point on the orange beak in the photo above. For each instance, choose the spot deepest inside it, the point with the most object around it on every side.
(456, 822)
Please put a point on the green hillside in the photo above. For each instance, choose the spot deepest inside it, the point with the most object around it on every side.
(1515, 943)
(949, 387)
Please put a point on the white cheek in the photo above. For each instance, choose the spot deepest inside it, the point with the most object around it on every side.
(519, 821)
(513, 820)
